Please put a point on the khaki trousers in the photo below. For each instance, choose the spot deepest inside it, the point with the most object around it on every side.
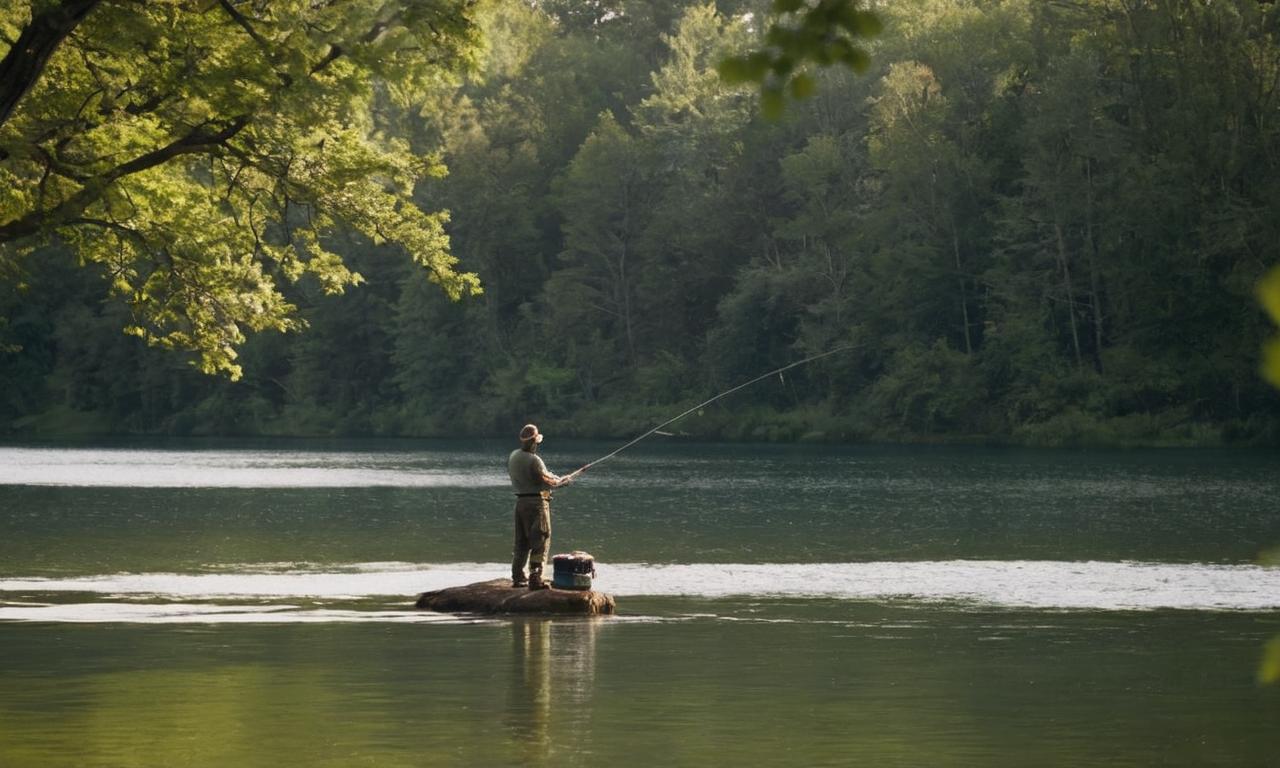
(533, 534)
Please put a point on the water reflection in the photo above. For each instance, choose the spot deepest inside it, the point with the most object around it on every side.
(113, 467)
(552, 686)
(722, 504)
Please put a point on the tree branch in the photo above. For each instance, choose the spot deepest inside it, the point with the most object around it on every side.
(26, 60)
(336, 50)
(240, 19)
(200, 139)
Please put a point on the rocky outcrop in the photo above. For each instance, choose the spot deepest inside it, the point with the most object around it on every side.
(498, 596)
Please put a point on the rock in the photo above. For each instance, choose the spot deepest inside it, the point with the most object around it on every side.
(498, 596)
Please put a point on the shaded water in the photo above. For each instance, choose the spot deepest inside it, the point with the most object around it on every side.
(202, 604)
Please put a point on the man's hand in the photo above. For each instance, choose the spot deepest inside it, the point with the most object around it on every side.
(569, 478)
(560, 482)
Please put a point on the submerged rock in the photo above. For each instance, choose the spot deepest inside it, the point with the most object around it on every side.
(498, 596)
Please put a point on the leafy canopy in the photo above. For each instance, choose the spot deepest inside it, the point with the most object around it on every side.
(201, 151)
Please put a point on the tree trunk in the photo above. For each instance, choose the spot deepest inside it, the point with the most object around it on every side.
(964, 298)
(26, 60)
(1071, 298)
(1095, 282)
(624, 287)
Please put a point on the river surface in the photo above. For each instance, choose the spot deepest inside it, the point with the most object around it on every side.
(242, 604)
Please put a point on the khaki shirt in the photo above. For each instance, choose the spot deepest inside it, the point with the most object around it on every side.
(526, 470)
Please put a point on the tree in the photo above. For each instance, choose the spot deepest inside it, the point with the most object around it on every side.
(200, 152)
(1068, 149)
(826, 187)
(933, 181)
(606, 196)
(692, 123)
(1011, 169)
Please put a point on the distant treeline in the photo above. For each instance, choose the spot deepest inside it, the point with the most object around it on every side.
(1033, 221)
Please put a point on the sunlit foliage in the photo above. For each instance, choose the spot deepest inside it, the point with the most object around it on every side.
(202, 152)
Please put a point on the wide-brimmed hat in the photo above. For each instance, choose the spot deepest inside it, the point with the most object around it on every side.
(530, 432)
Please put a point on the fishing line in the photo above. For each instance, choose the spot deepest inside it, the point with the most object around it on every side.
(705, 403)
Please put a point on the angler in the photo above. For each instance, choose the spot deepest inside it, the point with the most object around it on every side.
(532, 484)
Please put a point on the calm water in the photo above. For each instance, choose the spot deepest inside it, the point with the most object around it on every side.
(215, 604)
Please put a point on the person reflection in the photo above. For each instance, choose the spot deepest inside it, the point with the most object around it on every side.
(553, 683)
(529, 711)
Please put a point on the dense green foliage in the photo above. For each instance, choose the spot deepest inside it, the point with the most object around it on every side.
(202, 152)
(1043, 222)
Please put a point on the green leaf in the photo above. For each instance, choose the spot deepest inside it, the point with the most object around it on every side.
(858, 60)
(1271, 362)
(759, 64)
(1269, 294)
(802, 86)
(772, 103)
(734, 71)
(868, 24)
(822, 33)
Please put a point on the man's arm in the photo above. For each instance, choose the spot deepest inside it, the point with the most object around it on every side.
(562, 480)
(548, 479)
(556, 481)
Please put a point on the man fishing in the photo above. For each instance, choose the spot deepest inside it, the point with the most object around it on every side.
(532, 484)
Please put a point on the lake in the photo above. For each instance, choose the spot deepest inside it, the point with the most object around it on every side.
(210, 603)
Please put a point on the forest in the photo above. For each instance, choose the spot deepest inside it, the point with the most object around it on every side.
(1022, 221)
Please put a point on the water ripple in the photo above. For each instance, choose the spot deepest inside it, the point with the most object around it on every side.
(1027, 584)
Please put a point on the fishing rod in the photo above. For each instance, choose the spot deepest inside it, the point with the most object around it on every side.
(705, 403)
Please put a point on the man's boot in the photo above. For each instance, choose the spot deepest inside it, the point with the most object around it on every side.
(535, 578)
(518, 581)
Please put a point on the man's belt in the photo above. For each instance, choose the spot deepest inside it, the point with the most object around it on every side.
(542, 495)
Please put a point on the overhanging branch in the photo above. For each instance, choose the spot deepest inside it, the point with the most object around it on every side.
(26, 59)
(204, 138)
